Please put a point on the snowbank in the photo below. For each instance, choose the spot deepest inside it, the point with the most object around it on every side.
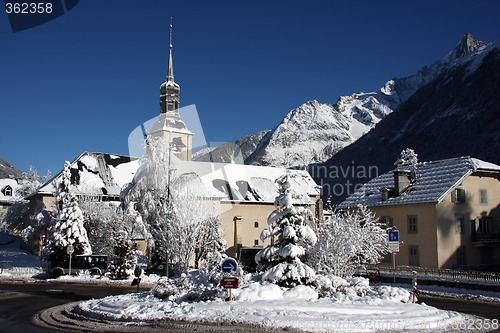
(299, 307)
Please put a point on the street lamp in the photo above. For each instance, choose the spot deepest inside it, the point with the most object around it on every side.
(235, 220)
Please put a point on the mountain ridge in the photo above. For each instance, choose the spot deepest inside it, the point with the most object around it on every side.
(314, 132)
(8, 171)
(454, 115)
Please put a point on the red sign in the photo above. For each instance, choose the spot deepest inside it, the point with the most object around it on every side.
(229, 282)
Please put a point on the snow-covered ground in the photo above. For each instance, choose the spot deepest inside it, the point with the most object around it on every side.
(298, 307)
(378, 308)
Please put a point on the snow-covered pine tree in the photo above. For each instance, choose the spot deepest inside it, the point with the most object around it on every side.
(281, 262)
(67, 226)
(408, 157)
(125, 257)
(408, 160)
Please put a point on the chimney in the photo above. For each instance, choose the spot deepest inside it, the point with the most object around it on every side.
(402, 180)
(385, 193)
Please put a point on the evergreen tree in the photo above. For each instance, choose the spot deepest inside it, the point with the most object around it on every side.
(67, 226)
(408, 157)
(281, 262)
(125, 257)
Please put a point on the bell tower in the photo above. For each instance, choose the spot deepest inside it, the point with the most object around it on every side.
(170, 125)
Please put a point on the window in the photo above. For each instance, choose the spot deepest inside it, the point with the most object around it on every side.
(458, 195)
(412, 224)
(459, 225)
(413, 257)
(256, 224)
(483, 196)
(7, 191)
(386, 222)
(461, 255)
(256, 242)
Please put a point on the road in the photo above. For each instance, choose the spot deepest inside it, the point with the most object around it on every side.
(20, 301)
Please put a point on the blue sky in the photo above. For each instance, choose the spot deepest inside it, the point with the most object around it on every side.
(85, 80)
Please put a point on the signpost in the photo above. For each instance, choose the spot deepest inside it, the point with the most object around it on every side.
(229, 282)
(69, 250)
(229, 266)
(393, 240)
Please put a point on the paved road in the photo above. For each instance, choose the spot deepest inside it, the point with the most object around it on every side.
(486, 310)
(20, 301)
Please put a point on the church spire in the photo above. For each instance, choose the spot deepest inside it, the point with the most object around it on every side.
(170, 73)
(169, 90)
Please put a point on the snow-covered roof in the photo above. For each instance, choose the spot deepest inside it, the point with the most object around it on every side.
(97, 174)
(434, 180)
(237, 182)
(106, 174)
(7, 186)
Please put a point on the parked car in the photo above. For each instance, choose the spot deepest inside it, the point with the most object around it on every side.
(160, 269)
(94, 264)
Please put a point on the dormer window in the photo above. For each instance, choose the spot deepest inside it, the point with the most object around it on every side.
(7, 191)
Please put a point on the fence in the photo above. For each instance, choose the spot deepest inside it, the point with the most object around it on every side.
(448, 275)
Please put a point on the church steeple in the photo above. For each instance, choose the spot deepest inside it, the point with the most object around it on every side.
(170, 72)
(169, 125)
(169, 90)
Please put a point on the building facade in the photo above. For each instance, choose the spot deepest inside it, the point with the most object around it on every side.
(447, 212)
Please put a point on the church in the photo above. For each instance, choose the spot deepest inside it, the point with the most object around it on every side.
(244, 194)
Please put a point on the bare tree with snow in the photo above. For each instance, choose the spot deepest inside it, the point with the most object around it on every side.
(67, 225)
(189, 229)
(181, 223)
(347, 242)
(289, 226)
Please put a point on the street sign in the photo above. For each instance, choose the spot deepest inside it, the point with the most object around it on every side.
(229, 282)
(393, 247)
(394, 236)
(229, 266)
(70, 249)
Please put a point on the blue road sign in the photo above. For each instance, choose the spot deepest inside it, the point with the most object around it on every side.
(394, 236)
(229, 265)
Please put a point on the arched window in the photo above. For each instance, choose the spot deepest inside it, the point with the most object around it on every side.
(256, 224)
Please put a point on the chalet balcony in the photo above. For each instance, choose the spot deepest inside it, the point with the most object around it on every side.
(486, 237)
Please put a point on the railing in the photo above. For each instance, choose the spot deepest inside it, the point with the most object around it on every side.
(489, 278)
(486, 237)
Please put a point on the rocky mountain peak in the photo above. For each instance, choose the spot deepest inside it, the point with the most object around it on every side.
(467, 44)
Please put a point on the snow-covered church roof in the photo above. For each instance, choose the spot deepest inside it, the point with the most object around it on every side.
(238, 182)
(106, 174)
(434, 180)
(97, 174)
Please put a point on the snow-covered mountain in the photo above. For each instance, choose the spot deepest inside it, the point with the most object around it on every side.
(315, 131)
(8, 171)
(231, 152)
(454, 112)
